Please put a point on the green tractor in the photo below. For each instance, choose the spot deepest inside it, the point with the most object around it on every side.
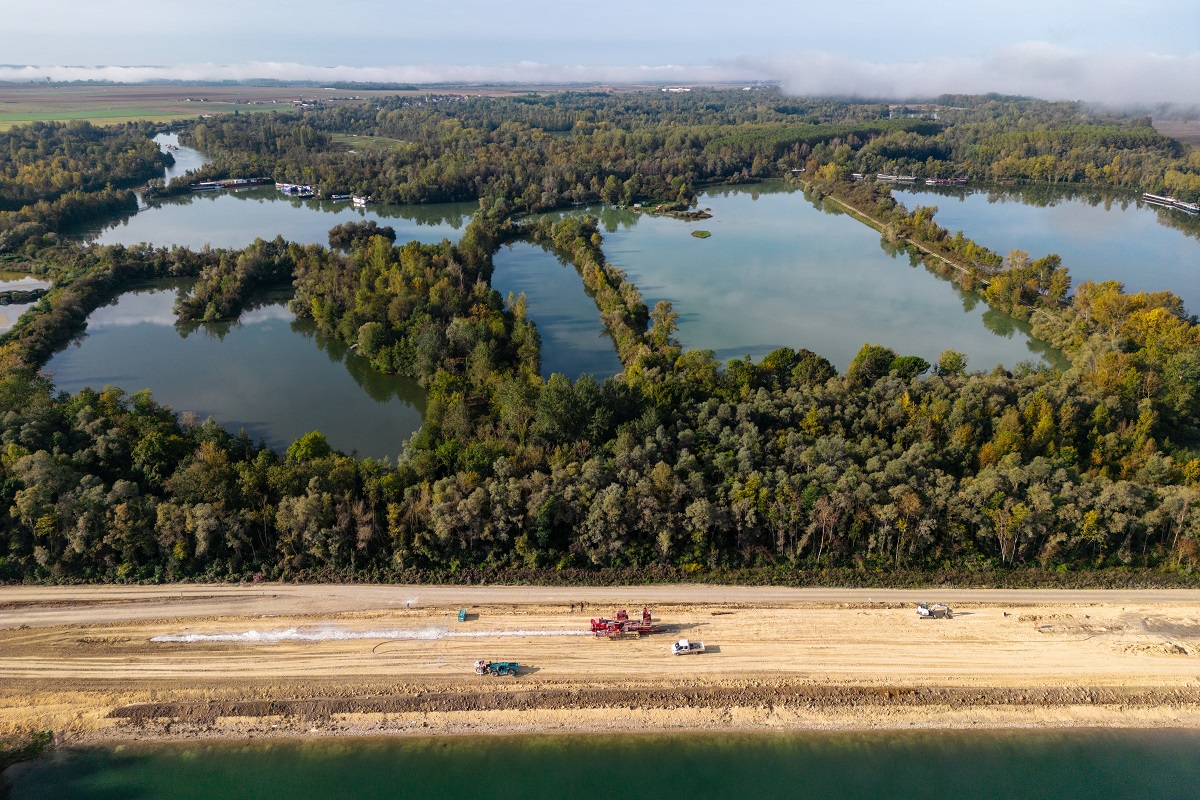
(496, 668)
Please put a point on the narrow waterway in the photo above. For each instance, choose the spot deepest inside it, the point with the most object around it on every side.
(574, 342)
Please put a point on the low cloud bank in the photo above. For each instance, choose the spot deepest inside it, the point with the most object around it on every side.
(1038, 69)
(521, 72)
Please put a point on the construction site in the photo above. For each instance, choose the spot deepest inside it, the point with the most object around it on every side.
(268, 660)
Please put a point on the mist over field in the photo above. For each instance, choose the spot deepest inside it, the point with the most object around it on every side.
(1036, 69)
(1111, 51)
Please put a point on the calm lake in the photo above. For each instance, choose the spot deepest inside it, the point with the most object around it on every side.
(779, 272)
(236, 218)
(267, 373)
(1030, 765)
(1099, 238)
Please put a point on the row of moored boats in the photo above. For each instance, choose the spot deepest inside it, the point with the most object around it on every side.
(1170, 202)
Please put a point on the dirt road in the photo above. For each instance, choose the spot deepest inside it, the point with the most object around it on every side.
(71, 605)
(265, 659)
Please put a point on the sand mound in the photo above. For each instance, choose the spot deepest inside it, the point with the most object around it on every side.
(1163, 648)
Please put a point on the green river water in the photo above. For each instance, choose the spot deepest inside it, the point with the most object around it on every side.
(1029, 765)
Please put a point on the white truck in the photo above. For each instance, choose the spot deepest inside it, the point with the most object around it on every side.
(683, 647)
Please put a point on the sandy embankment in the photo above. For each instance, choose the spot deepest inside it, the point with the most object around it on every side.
(286, 660)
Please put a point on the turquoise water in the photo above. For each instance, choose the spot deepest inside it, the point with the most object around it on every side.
(778, 272)
(1069, 765)
(1099, 237)
(267, 373)
(574, 341)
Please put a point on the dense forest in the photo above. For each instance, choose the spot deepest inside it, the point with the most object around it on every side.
(540, 152)
(781, 470)
(55, 175)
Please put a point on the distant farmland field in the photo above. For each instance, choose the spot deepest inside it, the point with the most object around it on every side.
(1186, 131)
(110, 105)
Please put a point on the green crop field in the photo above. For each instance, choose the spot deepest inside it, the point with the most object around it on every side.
(108, 116)
(111, 105)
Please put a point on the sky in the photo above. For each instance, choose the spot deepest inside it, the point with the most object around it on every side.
(1116, 51)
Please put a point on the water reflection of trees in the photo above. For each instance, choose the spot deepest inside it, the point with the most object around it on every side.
(219, 329)
(1040, 195)
(753, 190)
(1189, 224)
(1051, 195)
(611, 218)
(614, 218)
(454, 215)
(997, 322)
(379, 386)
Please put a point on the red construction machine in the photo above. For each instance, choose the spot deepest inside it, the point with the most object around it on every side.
(622, 624)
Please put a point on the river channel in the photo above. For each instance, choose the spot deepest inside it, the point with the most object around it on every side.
(998, 765)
